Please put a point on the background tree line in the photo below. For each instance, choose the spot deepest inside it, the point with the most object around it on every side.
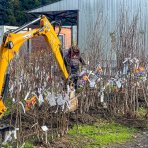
(13, 12)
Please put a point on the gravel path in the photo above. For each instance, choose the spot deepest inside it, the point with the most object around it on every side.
(140, 141)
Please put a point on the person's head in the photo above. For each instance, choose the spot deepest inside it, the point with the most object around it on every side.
(73, 50)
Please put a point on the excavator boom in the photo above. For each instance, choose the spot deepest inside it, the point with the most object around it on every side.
(12, 41)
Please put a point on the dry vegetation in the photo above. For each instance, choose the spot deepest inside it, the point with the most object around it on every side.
(37, 73)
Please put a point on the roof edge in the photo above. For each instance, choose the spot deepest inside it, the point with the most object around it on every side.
(30, 11)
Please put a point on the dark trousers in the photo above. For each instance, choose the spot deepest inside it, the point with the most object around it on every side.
(74, 79)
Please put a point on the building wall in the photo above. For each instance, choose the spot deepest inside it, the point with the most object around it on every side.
(66, 32)
(110, 11)
(40, 43)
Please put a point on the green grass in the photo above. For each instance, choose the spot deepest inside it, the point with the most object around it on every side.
(98, 135)
(8, 104)
(28, 145)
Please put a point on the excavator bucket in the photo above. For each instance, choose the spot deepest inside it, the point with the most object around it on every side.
(73, 105)
(73, 100)
(2, 108)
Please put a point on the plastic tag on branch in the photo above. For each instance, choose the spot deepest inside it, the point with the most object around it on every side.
(44, 128)
(63, 100)
(101, 91)
(92, 80)
(68, 89)
(36, 69)
(14, 132)
(20, 88)
(51, 99)
(60, 100)
(11, 90)
(22, 105)
(118, 83)
(45, 84)
(82, 73)
(126, 60)
(99, 94)
(125, 69)
(99, 79)
(99, 70)
(13, 100)
(10, 134)
(137, 62)
(104, 105)
(27, 95)
(126, 65)
(117, 76)
(92, 84)
(66, 98)
(40, 99)
(144, 79)
(30, 103)
(102, 97)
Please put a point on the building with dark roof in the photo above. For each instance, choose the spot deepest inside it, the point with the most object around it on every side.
(94, 17)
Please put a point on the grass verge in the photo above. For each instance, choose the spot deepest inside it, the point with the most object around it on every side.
(99, 135)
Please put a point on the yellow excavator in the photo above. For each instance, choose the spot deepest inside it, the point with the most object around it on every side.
(13, 40)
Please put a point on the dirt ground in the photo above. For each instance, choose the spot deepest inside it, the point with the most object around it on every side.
(140, 141)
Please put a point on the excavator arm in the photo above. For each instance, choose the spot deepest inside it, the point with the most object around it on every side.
(12, 41)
